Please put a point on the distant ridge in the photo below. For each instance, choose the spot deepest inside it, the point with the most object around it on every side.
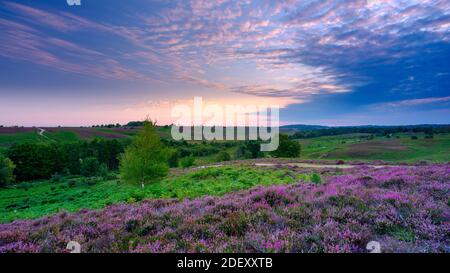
(303, 127)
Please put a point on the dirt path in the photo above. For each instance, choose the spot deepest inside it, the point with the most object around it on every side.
(300, 165)
(41, 133)
(320, 166)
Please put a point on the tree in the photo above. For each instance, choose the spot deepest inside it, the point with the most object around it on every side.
(6, 171)
(146, 158)
(287, 148)
(89, 167)
(35, 160)
(250, 149)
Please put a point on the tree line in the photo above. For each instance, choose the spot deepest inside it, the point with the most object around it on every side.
(140, 159)
(38, 160)
(375, 130)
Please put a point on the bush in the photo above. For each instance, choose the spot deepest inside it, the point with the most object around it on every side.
(173, 158)
(187, 161)
(414, 137)
(6, 171)
(223, 156)
(103, 171)
(90, 167)
(56, 177)
(316, 179)
(24, 186)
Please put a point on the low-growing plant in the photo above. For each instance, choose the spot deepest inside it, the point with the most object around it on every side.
(223, 156)
(316, 179)
(187, 161)
(6, 171)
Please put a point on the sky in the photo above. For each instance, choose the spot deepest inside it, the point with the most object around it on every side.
(328, 62)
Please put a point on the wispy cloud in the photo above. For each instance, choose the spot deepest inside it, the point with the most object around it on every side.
(413, 102)
(329, 46)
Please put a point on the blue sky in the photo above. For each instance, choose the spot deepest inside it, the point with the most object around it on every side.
(324, 62)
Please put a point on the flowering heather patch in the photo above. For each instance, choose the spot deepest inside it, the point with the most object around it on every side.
(404, 208)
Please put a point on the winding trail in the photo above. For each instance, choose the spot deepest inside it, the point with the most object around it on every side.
(41, 133)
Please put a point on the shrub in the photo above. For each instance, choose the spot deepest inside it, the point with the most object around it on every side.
(56, 177)
(223, 156)
(90, 167)
(173, 158)
(146, 158)
(187, 161)
(103, 171)
(414, 137)
(316, 179)
(6, 171)
(24, 186)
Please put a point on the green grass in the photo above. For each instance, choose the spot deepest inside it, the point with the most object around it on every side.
(9, 139)
(398, 148)
(45, 197)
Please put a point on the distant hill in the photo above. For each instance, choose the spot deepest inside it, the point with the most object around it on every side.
(303, 127)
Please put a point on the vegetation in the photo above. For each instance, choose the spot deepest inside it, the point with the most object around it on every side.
(404, 209)
(187, 161)
(372, 130)
(223, 156)
(146, 158)
(6, 171)
(32, 200)
(40, 160)
(287, 148)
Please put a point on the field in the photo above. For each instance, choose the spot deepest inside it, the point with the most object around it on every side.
(397, 148)
(340, 193)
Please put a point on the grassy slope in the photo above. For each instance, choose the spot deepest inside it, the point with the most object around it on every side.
(45, 197)
(350, 147)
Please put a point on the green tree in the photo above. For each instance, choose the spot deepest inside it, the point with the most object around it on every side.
(6, 171)
(35, 160)
(89, 167)
(146, 158)
(287, 148)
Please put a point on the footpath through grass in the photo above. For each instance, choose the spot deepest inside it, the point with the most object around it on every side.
(33, 200)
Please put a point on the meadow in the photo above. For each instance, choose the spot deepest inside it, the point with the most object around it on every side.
(397, 148)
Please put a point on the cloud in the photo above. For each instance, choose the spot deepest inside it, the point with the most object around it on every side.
(415, 102)
(330, 46)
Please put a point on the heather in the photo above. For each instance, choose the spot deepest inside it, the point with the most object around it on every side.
(405, 208)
